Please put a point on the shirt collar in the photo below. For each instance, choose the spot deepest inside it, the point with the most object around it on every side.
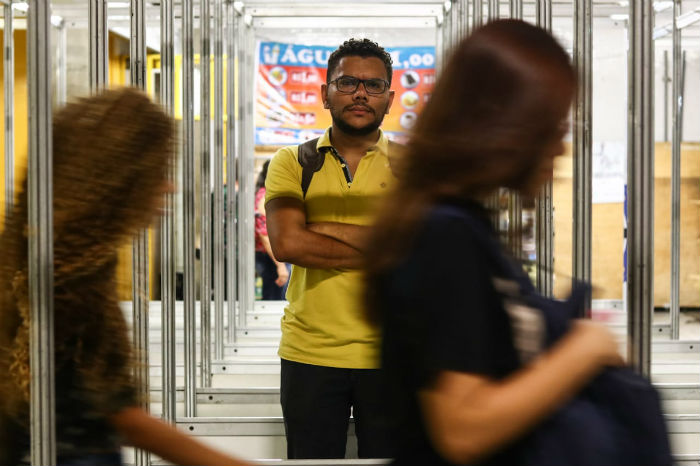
(382, 145)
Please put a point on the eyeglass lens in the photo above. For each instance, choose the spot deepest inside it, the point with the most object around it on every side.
(350, 84)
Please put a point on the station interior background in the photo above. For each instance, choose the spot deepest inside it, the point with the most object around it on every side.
(417, 24)
(609, 112)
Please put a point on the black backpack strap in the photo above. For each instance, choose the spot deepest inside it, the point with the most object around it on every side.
(311, 161)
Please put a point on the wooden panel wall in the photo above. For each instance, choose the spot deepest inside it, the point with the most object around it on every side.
(608, 224)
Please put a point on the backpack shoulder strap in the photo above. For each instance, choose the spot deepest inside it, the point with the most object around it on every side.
(311, 162)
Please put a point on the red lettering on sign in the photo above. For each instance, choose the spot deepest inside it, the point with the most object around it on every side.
(304, 118)
(303, 97)
(304, 77)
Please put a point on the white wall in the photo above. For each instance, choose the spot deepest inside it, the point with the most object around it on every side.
(610, 80)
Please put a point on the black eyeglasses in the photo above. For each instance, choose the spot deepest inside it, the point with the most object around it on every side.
(349, 84)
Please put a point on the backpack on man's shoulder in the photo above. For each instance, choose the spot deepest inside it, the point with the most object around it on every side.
(312, 160)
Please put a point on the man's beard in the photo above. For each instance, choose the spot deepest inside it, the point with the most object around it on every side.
(350, 130)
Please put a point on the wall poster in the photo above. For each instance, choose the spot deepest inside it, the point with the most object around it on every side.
(288, 106)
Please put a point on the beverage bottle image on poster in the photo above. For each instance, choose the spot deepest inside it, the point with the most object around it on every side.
(288, 105)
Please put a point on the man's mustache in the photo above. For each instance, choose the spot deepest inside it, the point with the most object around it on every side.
(358, 106)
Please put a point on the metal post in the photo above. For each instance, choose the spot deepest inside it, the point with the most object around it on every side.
(515, 224)
(666, 81)
(477, 13)
(246, 196)
(456, 7)
(543, 13)
(681, 97)
(9, 92)
(232, 84)
(447, 26)
(137, 57)
(467, 17)
(582, 144)
(440, 44)
(140, 326)
(544, 209)
(40, 186)
(167, 225)
(515, 202)
(188, 196)
(97, 10)
(62, 65)
(138, 44)
(205, 195)
(494, 10)
(640, 185)
(219, 278)
(493, 13)
(676, 174)
(457, 21)
(516, 9)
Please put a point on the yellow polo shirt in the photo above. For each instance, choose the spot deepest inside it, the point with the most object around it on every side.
(324, 323)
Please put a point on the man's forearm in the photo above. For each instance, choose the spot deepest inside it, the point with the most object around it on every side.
(294, 242)
(268, 249)
(354, 236)
(317, 251)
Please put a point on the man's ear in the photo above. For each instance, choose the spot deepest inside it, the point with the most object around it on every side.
(391, 101)
(324, 95)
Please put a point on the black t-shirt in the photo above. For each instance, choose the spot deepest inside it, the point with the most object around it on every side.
(441, 313)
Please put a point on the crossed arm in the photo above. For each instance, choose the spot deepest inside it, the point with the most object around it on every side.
(319, 245)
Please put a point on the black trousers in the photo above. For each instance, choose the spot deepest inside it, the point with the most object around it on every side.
(316, 403)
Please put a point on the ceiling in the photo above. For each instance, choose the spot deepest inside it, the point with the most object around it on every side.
(387, 14)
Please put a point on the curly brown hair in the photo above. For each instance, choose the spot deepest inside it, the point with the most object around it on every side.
(111, 153)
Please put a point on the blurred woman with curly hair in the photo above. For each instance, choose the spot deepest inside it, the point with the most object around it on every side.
(111, 156)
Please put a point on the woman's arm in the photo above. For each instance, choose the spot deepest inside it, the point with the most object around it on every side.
(143, 431)
(469, 416)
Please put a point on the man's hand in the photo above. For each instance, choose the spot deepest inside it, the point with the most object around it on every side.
(282, 274)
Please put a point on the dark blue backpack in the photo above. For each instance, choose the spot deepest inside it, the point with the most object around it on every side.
(615, 420)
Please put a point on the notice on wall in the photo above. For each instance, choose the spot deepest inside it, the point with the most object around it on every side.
(288, 105)
(609, 172)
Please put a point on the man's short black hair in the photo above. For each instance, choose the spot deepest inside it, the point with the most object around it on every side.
(359, 48)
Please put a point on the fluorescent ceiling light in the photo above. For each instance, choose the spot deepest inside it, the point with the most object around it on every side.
(620, 17)
(118, 5)
(21, 6)
(658, 6)
(661, 31)
(662, 6)
(683, 21)
(688, 19)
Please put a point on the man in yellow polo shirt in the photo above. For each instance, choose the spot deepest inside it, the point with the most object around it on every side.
(329, 352)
